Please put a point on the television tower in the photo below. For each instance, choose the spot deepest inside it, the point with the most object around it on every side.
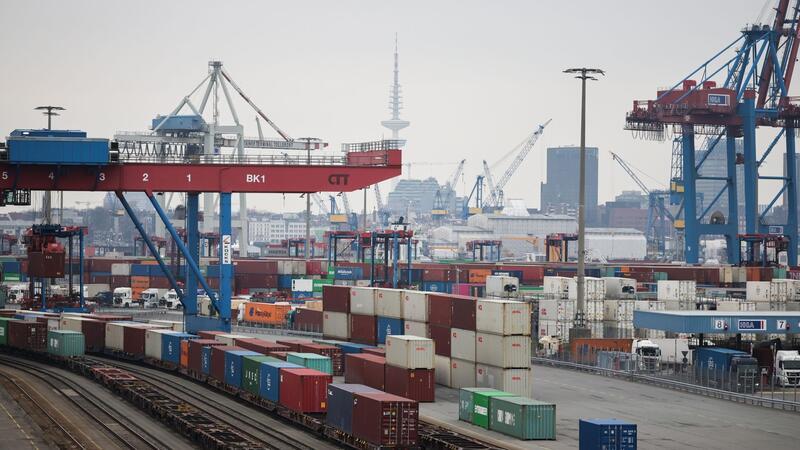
(395, 100)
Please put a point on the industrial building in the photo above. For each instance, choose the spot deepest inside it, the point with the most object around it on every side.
(559, 194)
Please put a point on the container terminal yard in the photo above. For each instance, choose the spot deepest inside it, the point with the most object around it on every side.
(451, 316)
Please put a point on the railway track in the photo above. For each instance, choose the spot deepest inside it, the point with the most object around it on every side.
(97, 410)
(264, 430)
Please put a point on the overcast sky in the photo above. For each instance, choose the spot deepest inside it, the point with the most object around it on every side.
(477, 76)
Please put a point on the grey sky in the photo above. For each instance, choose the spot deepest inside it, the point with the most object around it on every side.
(477, 76)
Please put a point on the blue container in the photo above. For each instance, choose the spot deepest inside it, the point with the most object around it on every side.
(352, 347)
(205, 361)
(179, 123)
(285, 281)
(437, 286)
(140, 270)
(49, 133)
(340, 404)
(387, 326)
(269, 383)
(233, 366)
(11, 267)
(606, 434)
(416, 275)
(171, 346)
(348, 273)
(212, 271)
(57, 150)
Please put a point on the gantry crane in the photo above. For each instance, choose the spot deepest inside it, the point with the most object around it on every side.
(744, 85)
(442, 201)
(659, 218)
(495, 199)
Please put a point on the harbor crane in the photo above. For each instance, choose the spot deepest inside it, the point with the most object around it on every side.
(495, 197)
(442, 202)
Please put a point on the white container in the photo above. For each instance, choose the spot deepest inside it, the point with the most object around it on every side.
(462, 373)
(115, 333)
(462, 344)
(410, 352)
(71, 323)
(515, 381)
(336, 325)
(502, 351)
(442, 370)
(362, 283)
(618, 287)
(173, 325)
(411, 328)
(153, 340)
(595, 310)
(758, 291)
(677, 290)
(229, 339)
(502, 286)
(593, 288)
(556, 287)
(503, 317)
(619, 310)
(302, 285)
(555, 328)
(389, 303)
(362, 301)
(557, 309)
(649, 305)
(120, 269)
(415, 306)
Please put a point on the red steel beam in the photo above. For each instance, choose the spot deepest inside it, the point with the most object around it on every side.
(197, 177)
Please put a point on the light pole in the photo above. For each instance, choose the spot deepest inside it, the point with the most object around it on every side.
(580, 329)
(50, 111)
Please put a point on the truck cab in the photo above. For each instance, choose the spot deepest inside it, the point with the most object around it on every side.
(123, 297)
(170, 300)
(150, 298)
(787, 368)
(647, 354)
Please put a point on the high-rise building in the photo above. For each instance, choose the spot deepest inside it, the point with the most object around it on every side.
(413, 196)
(559, 195)
(715, 165)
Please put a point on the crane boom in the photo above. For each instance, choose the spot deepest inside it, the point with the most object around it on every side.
(320, 204)
(346, 204)
(378, 197)
(630, 173)
(452, 182)
(496, 190)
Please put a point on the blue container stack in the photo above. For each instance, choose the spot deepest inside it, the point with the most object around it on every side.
(606, 434)
(233, 366)
(340, 404)
(388, 326)
(269, 383)
(171, 346)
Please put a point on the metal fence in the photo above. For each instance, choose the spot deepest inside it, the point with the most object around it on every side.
(748, 387)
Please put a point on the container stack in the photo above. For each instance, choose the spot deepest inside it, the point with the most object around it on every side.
(504, 412)
(606, 434)
(503, 346)
(556, 317)
(452, 328)
(678, 295)
(775, 295)
(409, 370)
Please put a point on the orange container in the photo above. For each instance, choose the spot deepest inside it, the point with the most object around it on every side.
(478, 275)
(266, 313)
(136, 292)
(140, 282)
(185, 354)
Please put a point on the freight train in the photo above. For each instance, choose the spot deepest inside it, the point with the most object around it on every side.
(296, 393)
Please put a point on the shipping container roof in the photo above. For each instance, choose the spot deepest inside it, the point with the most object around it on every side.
(720, 322)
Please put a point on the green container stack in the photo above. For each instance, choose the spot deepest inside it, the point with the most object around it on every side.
(4, 329)
(523, 418)
(65, 343)
(311, 361)
(251, 371)
(475, 403)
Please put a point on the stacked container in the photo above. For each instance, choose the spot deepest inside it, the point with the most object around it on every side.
(304, 390)
(335, 311)
(341, 402)
(365, 369)
(618, 287)
(503, 346)
(311, 361)
(556, 317)
(593, 288)
(65, 343)
(269, 379)
(385, 420)
(410, 367)
(678, 294)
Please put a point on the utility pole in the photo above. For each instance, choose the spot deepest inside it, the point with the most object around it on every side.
(580, 329)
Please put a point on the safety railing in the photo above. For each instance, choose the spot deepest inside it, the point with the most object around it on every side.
(386, 144)
(276, 160)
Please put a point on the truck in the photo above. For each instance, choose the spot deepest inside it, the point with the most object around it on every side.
(674, 351)
(787, 368)
(170, 300)
(150, 297)
(123, 297)
(645, 353)
(725, 368)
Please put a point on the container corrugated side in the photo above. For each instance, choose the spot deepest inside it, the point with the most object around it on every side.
(153, 342)
(251, 371)
(516, 381)
(311, 361)
(462, 373)
(411, 328)
(340, 404)
(523, 418)
(606, 434)
(410, 352)
(385, 419)
(482, 402)
(503, 351)
(65, 343)
(362, 301)
(269, 378)
(415, 306)
(462, 344)
(466, 402)
(503, 317)
(389, 303)
(336, 324)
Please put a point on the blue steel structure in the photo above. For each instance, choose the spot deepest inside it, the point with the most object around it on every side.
(485, 250)
(753, 91)
(721, 322)
(70, 233)
(389, 241)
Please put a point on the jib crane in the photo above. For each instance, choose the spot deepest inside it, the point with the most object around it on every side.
(495, 199)
(658, 215)
(442, 202)
(741, 87)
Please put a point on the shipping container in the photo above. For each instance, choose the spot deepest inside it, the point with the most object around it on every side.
(504, 317)
(363, 329)
(441, 339)
(606, 434)
(387, 326)
(440, 310)
(365, 369)
(184, 358)
(593, 288)
(419, 329)
(196, 353)
(481, 404)
(351, 347)
(337, 324)
(306, 319)
(251, 372)
(311, 361)
(266, 313)
(217, 360)
(260, 345)
(234, 366)
(65, 343)
(503, 351)
(293, 344)
(385, 419)
(341, 402)
(410, 352)
(94, 331)
(4, 329)
(523, 418)
(681, 290)
(171, 345)
(415, 306)
(304, 390)
(555, 287)
(362, 300)
(230, 339)
(618, 287)
(414, 384)
(389, 303)
(133, 338)
(516, 381)
(333, 352)
(557, 309)
(466, 402)
(462, 344)
(152, 342)
(270, 379)
(463, 312)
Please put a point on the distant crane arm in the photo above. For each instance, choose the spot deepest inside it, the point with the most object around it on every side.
(487, 174)
(630, 173)
(320, 203)
(346, 204)
(378, 196)
(496, 190)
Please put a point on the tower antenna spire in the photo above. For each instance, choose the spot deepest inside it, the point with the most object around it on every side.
(395, 123)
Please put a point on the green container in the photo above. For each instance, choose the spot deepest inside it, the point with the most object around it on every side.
(65, 343)
(317, 284)
(481, 401)
(11, 277)
(523, 418)
(311, 361)
(251, 371)
(466, 402)
(4, 329)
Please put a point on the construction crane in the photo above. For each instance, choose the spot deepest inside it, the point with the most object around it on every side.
(495, 199)
(658, 215)
(442, 201)
(320, 203)
(383, 212)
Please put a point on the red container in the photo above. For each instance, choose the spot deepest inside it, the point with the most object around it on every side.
(279, 355)
(363, 329)
(218, 360)
(336, 298)
(414, 384)
(385, 419)
(365, 369)
(316, 267)
(305, 390)
(133, 340)
(374, 351)
(334, 353)
(436, 274)
(463, 312)
(440, 310)
(260, 345)
(101, 279)
(294, 344)
(94, 334)
(255, 266)
(26, 335)
(209, 334)
(441, 340)
(160, 283)
(46, 265)
(196, 352)
(308, 320)
(111, 317)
